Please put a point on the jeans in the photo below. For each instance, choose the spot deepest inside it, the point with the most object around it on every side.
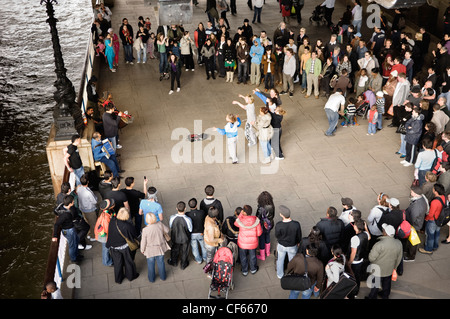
(304, 79)
(106, 256)
(72, 241)
(306, 294)
(268, 80)
(372, 128)
(242, 71)
(402, 149)
(196, 242)
(144, 54)
(162, 62)
(246, 261)
(210, 252)
(159, 260)
(380, 121)
(357, 24)
(275, 142)
(128, 49)
(333, 118)
(266, 148)
(281, 255)
(112, 163)
(257, 14)
(113, 141)
(432, 232)
(78, 173)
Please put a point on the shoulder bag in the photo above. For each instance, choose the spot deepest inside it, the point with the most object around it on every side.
(132, 244)
(295, 281)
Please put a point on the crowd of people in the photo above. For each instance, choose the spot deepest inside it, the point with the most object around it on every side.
(391, 74)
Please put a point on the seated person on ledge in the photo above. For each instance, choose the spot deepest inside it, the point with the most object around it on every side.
(99, 155)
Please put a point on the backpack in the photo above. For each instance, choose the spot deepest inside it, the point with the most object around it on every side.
(404, 230)
(102, 227)
(444, 215)
(437, 162)
(266, 223)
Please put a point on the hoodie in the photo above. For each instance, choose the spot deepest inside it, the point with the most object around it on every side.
(414, 129)
(206, 203)
(249, 231)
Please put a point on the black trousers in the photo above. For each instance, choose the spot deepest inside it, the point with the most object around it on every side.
(180, 251)
(175, 76)
(328, 14)
(123, 259)
(209, 66)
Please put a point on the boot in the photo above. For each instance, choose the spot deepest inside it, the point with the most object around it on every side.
(268, 249)
(231, 76)
(262, 254)
(228, 77)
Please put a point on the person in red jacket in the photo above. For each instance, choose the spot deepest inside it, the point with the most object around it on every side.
(432, 231)
(249, 232)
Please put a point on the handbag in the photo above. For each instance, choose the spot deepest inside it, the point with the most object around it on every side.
(295, 281)
(132, 244)
(401, 129)
(414, 237)
(208, 267)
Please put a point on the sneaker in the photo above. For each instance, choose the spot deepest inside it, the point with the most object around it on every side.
(178, 89)
(407, 260)
(131, 63)
(255, 271)
(170, 92)
(291, 94)
(118, 146)
(88, 247)
(138, 62)
(306, 96)
(279, 158)
(423, 251)
(192, 70)
(282, 92)
(402, 156)
(408, 164)
(245, 273)
(187, 70)
(403, 162)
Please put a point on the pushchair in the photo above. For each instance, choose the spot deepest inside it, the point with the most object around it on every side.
(222, 273)
(318, 16)
(363, 109)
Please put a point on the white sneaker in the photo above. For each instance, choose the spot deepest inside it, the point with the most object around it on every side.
(118, 146)
(279, 158)
(88, 247)
(131, 62)
(407, 164)
(170, 92)
(138, 62)
(192, 70)
(266, 160)
(187, 70)
(403, 162)
(178, 89)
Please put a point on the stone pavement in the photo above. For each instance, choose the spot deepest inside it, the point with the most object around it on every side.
(316, 173)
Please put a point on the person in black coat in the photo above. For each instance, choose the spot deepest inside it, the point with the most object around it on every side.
(120, 228)
(180, 234)
(331, 228)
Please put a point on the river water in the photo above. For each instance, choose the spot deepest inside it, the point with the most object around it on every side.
(26, 114)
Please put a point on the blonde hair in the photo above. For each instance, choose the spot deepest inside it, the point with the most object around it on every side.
(150, 218)
(250, 98)
(123, 214)
(231, 118)
(281, 111)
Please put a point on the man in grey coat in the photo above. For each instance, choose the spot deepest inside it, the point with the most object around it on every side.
(385, 256)
(415, 215)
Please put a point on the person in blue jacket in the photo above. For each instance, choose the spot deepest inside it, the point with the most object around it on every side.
(231, 132)
(101, 156)
(256, 54)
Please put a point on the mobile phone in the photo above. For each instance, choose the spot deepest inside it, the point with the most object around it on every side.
(145, 177)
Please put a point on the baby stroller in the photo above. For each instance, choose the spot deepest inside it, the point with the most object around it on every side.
(363, 109)
(222, 273)
(318, 16)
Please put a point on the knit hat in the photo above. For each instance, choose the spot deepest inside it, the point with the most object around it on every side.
(107, 204)
(286, 212)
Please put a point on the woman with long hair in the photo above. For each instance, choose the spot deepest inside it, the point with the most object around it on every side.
(174, 68)
(265, 212)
